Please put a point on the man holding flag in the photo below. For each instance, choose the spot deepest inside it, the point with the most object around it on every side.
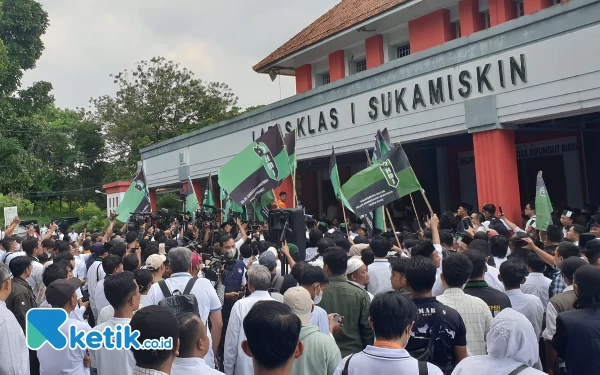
(136, 199)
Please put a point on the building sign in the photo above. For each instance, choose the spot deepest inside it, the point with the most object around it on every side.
(396, 100)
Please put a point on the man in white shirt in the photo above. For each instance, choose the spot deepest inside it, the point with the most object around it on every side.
(512, 274)
(61, 294)
(111, 265)
(95, 274)
(124, 296)
(475, 313)
(379, 270)
(536, 283)
(529, 211)
(209, 306)
(14, 356)
(236, 361)
(193, 346)
(73, 235)
(33, 249)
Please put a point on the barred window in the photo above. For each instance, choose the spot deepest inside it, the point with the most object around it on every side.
(402, 51)
(520, 8)
(488, 22)
(325, 78)
(361, 66)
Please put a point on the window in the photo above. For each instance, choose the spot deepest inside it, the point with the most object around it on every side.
(486, 20)
(361, 66)
(117, 202)
(325, 78)
(402, 51)
(456, 29)
(556, 2)
(520, 8)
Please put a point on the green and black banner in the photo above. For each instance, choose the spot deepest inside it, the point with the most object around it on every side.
(290, 145)
(191, 201)
(383, 144)
(383, 182)
(229, 206)
(262, 205)
(136, 199)
(258, 168)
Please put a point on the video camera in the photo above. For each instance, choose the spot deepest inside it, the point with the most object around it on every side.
(218, 265)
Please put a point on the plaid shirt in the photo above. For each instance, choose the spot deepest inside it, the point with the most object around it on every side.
(557, 286)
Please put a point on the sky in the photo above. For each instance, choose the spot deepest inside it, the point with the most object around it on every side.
(218, 40)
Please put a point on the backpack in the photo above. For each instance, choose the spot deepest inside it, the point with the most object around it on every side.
(423, 370)
(182, 302)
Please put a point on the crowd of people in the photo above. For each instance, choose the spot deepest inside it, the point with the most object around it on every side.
(468, 293)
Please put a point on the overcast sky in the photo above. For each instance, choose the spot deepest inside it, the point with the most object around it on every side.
(219, 40)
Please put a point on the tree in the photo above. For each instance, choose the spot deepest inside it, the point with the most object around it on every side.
(156, 101)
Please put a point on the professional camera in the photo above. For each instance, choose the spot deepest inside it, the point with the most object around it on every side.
(219, 265)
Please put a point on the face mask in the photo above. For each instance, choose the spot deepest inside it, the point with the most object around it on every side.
(18, 247)
(231, 253)
(318, 297)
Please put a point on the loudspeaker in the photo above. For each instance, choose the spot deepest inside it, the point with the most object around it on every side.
(292, 221)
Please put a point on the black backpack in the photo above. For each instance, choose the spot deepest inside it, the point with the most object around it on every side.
(182, 302)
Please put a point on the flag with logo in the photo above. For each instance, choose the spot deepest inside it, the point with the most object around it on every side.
(543, 206)
(290, 145)
(383, 144)
(258, 168)
(191, 201)
(229, 206)
(136, 199)
(262, 205)
(383, 182)
(335, 180)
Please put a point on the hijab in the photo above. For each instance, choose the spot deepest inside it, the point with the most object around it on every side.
(512, 336)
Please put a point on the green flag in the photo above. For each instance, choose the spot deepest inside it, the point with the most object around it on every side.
(543, 206)
(136, 199)
(263, 204)
(226, 204)
(383, 144)
(209, 199)
(258, 168)
(335, 180)
(191, 201)
(381, 183)
(290, 145)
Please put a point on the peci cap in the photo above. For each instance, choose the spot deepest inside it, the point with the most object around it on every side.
(154, 262)
(354, 263)
(268, 260)
(570, 265)
(98, 249)
(467, 206)
(60, 291)
(154, 322)
(298, 299)
(423, 248)
(567, 213)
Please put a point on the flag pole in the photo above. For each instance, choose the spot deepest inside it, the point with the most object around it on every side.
(427, 202)
(393, 228)
(384, 208)
(294, 197)
(415, 209)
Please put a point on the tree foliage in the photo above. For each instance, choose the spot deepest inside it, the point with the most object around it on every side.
(156, 101)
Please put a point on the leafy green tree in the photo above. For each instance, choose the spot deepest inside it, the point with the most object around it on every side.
(156, 101)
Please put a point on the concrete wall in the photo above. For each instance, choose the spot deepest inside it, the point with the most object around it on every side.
(560, 58)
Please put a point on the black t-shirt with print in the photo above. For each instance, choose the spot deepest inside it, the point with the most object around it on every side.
(452, 331)
(495, 299)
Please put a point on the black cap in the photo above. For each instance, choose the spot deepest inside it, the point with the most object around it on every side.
(60, 291)
(153, 322)
(467, 206)
(570, 265)
(423, 248)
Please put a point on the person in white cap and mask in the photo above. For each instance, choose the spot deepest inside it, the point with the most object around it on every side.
(156, 264)
(321, 354)
(512, 348)
(358, 274)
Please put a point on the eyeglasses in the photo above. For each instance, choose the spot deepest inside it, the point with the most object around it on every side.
(2, 282)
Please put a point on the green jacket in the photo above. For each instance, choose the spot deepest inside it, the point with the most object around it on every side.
(352, 303)
(321, 355)
(20, 300)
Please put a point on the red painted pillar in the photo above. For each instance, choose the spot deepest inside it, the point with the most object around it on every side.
(532, 6)
(501, 11)
(152, 195)
(374, 48)
(430, 30)
(310, 193)
(471, 20)
(198, 190)
(303, 78)
(287, 186)
(337, 69)
(496, 171)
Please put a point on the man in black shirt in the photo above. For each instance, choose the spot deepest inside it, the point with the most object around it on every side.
(477, 287)
(450, 346)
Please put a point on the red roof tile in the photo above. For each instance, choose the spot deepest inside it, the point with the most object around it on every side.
(341, 17)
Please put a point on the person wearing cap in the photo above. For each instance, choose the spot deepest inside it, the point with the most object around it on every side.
(347, 300)
(512, 274)
(464, 215)
(566, 219)
(112, 265)
(272, 353)
(235, 361)
(358, 275)
(268, 260)
(577, 331)
(379, 271)
(153, 323)
(556, 305)
(156, 264)
(476, 314)
(123, 294)
(451, 347)
(61, 294)
(321, 354)
(14, 356)
(95, 274)
(209, 305)
(193, 346)
(392, 316)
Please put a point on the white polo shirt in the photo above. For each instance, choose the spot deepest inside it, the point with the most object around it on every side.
(111, 362)
(379, 276)
(375, 360)
(66, 361)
